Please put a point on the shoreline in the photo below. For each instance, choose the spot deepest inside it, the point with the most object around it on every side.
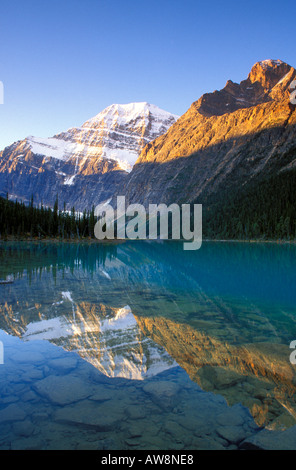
(91, 241)
(279, 242)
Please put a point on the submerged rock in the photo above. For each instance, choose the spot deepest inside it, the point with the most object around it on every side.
(89, 415)
(12, 413)
(62, 390)
(271, 440)
(163, 393)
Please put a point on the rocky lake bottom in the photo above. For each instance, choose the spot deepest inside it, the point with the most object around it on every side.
(54, 400)
(132, 351)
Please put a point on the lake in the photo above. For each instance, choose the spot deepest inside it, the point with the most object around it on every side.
(142, 345)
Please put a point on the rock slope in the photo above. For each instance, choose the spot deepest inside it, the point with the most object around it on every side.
(83, 165)
(225, 139)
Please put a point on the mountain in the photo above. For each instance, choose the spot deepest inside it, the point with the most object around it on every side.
(137, 309)
(108, 338)
(228, 144)
(83, 165)
(233, 151)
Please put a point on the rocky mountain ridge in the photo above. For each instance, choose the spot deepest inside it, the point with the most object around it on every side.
(225, 139)
(234, 140)
(83, 165)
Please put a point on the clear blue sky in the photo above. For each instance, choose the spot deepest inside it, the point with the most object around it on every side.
(64, 61)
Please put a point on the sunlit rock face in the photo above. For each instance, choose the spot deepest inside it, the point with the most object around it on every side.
(256, 375)
(225, 139)
(225, 314)
(136, 347)
(84, 165)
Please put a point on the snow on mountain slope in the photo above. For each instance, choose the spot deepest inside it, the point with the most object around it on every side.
(82, 164)
(114, 345)
(117, 133)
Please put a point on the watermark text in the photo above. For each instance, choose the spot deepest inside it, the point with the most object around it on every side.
(293, 93)
(160, 222)
(293, 353)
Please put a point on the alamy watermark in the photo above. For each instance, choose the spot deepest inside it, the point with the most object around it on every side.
(293, 93)
(159, 222)
(293, 353)
(1, 93)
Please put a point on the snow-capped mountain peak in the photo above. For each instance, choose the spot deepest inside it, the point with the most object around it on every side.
(126, 113)
(121, 131)
(83, 164)
(118, 133)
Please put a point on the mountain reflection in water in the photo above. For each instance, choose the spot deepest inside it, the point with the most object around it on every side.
(225, 313)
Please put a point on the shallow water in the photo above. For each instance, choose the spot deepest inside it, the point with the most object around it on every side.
(142, 345)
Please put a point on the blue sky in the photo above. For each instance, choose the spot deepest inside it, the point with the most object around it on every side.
(64, 61)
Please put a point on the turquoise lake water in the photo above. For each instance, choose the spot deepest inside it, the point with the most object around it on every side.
(142, 345)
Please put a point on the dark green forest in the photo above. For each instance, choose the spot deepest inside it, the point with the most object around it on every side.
(20, 220)
(264, 209)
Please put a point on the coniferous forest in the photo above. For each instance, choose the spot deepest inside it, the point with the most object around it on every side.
(27, 221)
(263, 210)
